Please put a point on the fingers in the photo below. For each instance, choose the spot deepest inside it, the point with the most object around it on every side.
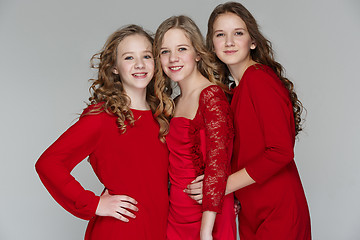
(198, 198)
(121, 213)
(124, 212)
(120, 217)
(193, 191)
(195, 185)
(128, 205)
(117, 206)
(237, 206)
(127, 199)
(198, 179)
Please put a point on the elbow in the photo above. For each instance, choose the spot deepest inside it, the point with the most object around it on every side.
(280, 154)
(40, 166)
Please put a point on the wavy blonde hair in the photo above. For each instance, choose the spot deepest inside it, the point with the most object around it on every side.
(107, 89)
(263, 53)
(206, 65)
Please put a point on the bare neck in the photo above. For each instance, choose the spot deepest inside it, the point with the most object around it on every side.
(237, 70)
(138, 99)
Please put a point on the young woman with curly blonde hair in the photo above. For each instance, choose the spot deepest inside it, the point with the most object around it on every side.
(124, 143)
(200, 135)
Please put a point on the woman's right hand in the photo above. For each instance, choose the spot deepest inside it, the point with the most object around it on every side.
(116, 206)
(195, 189)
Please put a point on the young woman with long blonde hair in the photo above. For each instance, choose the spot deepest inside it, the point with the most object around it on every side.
(200, 135)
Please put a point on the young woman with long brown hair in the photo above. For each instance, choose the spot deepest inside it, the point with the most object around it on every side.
(267, 118)
(124, 143)
(200, 135)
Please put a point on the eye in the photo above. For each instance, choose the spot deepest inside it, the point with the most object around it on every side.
(129, 58)
(148, 57)
(239, 33)
(164, 52)
(219, 35)
(182, 49)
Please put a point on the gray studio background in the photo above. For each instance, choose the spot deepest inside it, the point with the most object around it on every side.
(45, 47)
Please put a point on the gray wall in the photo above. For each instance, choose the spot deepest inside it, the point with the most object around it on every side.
(45, 47)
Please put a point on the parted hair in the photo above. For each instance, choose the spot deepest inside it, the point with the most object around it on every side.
(206, 65)
(107, 90)
(263, 53)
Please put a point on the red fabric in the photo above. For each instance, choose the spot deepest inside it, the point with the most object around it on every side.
(275, 206)
(201, 145)
(133, 164)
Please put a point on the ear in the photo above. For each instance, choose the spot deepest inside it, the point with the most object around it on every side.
(115, 71)
(253, 46)
(197, 58)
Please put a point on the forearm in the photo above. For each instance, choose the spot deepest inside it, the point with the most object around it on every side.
(207, 224)
(238, 180)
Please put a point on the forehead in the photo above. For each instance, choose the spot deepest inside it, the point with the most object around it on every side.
(228, 21)
(134, 43)
(175, 36)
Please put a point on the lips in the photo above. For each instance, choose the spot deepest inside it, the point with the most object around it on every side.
(175, 68)
(139, 75)
(229, 52)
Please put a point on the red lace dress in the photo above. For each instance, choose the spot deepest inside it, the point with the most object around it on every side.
(202, 145)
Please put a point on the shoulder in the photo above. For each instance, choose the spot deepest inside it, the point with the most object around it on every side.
(258, 73)
(212, 92)
(95, 112)
(261, 76)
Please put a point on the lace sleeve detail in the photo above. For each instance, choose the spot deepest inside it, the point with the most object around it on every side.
(219, 132)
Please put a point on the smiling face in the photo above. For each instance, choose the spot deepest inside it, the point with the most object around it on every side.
(177, 55)
(134, 63)
(231, 39)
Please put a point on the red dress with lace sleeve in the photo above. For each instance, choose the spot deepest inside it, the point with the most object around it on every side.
(202, 145)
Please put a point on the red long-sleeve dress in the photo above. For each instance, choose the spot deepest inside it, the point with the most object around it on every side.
(275, 206)
(202, 145)
(134, 163)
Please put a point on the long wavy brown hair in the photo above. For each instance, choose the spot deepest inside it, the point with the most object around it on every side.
(206, 65)
(263, 53)
(107, 90)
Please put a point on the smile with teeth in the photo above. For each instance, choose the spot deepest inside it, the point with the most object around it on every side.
(175, 68)
(139, 74)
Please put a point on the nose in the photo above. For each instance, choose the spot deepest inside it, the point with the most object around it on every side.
(229, 42)
(173, 57)
(139, 64)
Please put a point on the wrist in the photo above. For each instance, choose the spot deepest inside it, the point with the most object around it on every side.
(205, 234)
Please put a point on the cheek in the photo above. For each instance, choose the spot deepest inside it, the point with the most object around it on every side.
(151, 66)
(163, 60)
(217, 45)
(190, 58)
(123, 66)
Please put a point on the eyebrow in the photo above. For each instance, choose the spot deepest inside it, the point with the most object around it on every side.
(180, 45)
(146, 51)
(220, 30)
